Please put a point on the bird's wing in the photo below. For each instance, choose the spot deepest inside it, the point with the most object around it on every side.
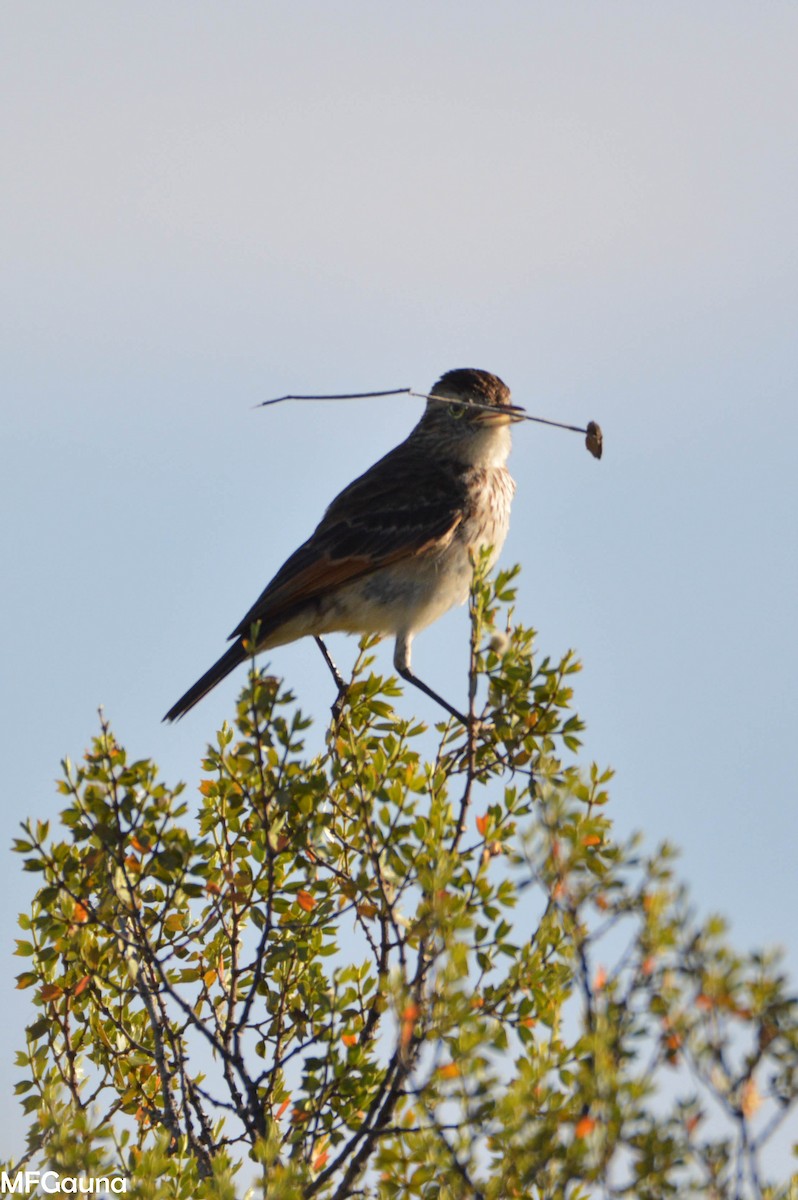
(404, 506)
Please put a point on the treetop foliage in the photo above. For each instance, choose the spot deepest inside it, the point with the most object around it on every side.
(354, 967)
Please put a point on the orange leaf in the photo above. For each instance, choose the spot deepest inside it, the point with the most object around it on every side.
(51, 991)
(750, 1099)
(592, 839)
(305, 901)
(692, 1122)
(81, 985)
(584, 1126)
(320, 1160)
(482, 823)
(81, 914)
(409, 1016)
(704, 1001)
(207, 786)
(600, 979)
(349, 1039)
(672, 1044)
(283, 1107)
(449, 1071)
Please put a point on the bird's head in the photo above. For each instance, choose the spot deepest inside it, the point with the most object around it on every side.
(467, 412)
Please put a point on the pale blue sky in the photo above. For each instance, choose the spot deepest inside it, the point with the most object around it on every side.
(206, 205)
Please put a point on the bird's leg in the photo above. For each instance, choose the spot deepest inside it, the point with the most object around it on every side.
(401, 660)
(419, 683)
(336, 674)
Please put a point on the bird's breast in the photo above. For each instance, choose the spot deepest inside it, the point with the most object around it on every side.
(487, 519)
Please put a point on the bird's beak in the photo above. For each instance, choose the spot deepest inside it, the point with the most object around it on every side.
(508, 414)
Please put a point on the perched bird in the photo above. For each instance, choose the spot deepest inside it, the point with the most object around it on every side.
(394, 550)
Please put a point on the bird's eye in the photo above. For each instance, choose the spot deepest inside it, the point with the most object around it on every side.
(457, 411)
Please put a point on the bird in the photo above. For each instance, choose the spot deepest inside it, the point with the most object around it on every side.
(396, 548)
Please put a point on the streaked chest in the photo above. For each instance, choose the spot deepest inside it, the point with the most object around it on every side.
(487, 518)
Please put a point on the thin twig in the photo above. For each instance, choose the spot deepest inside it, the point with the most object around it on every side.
(513, 410)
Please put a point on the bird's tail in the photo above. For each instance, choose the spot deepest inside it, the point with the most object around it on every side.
(222, 667)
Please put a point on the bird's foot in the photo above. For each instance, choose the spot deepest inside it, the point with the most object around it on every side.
(337, 707)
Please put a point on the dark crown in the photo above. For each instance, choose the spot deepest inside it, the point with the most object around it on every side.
(467, 383)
